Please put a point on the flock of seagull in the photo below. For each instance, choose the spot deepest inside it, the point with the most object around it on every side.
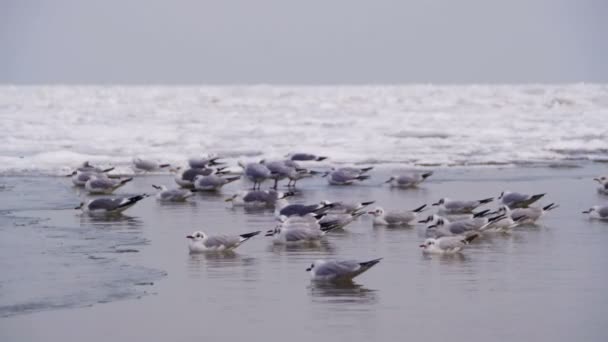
(454, 225)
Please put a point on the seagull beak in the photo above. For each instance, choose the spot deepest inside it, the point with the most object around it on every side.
(425, 221)
(586, 211)
(189, 237)
(435, 203)
(431, 226)
(371, 212)
(269, 234)
(422, 246)
(309, 269)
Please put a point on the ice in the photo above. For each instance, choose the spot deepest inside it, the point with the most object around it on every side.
(49, 129)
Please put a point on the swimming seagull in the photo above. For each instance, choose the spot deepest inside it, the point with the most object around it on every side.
(346, 175)
(109, 206)
(283, 208)
(147, 165)
(98, 184)
(172, 195)
(338, 220)
(408, 180)
(525, 215)
(212, 182)
(297, 235)
(598, 212)
(443, 227)
(257, 198)
(201, 242)
(185, 179)
(451, 207)
(603, 180)
(447, 244)
(395, 217)
(305, 157)
(81, 178)
(201, 163)
(339, 270)
(255, 172)
(518, 200)
(347, 207)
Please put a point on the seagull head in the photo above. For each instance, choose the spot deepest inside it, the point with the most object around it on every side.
(441, 201)
(376, 212)
(428, 243)
(316, 263)
(602, 180)
(80, 206)
(592, 209)
(196, 236)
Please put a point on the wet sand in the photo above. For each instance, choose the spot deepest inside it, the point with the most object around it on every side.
(68, 277)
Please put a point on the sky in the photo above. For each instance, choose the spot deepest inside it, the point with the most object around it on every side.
(302, 42)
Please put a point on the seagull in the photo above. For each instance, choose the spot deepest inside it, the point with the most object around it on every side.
(147, 165)
(172, 195)
(279, 170)
(603, 180)
(451, 207)
(433, 218)
(346, 175)
(342, 207)
(201, 242)
(447, 244)
(202, 163)
(257, 198)
(80, 178)
(305, 157)
(525, 215)
(255, 172)
(598, 212)
(87, 167)
(338, 220)
(518, 200)
(283, 208)
(408, 180)
(185, 179)
(443, 227)
(212, 182)
(297, 235)
(394, 217)
(109, 206)
(339, 270)
(98, 184)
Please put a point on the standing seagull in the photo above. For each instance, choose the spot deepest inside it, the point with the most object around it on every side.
(339, 270)
(518, 200)
(598, 212)
(212, 182)
(109, 206)
(305, 157)
(394, 217)
(408, 180)
(451, 207)
(255, 172)
(172, 195)
(525, 215)
(98, 184)
(447, 244)
(147, 165)
(257, 198)
(346, 175)
(201, 163)
(201, 242)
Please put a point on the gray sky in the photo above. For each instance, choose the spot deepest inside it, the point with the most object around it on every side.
(303, 42)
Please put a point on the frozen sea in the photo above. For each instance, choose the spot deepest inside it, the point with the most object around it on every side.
(50, 129)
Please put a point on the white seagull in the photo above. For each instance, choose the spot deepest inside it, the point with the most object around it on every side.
(201, 242)
(339, 270)
(447, 244)
(395, 217)
(109, 206)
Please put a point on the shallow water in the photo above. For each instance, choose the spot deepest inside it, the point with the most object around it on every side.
(49, 129)
(542, 282)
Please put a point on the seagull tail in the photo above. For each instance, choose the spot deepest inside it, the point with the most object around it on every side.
(232, 179)
(133, 200)
(365, 169)
(470, 238)
(320, 158)
(419, 209)
(368, 264)
(363, 177)
(125, 181)
(107, 170)
(247, 236)
(162, 166)
(481, 213)
(550, 207)
(486, 200)
(427, 175)
(534, 198)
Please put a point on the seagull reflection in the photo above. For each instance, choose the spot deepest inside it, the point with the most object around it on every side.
(219, 259)
(123, 221)
(317, 246)
(342, 293)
